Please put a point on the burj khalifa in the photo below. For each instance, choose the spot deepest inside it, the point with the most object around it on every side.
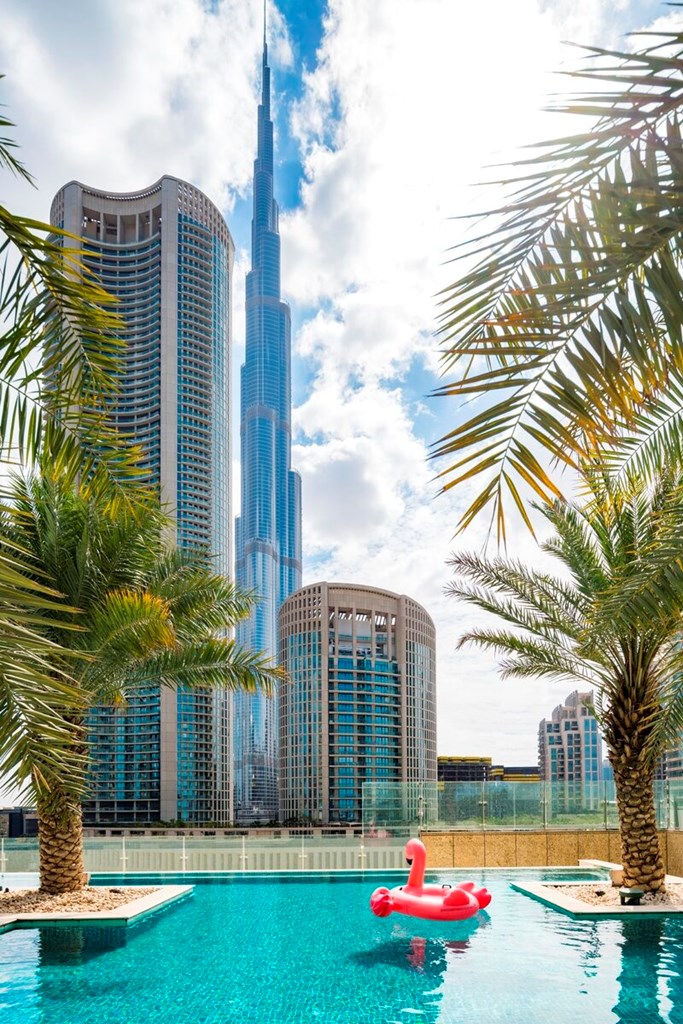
(268, 530)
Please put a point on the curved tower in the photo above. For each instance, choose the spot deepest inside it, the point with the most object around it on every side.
(359, 706)
(166, 253)
(268, 531)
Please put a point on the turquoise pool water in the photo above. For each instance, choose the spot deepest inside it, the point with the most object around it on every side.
(302, 950)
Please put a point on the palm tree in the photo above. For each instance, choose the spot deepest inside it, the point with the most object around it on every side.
(567, 321)
(612, 622)
(60, 349)
(138, 613)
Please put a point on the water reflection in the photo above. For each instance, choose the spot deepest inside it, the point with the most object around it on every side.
(428, 956)
(640, 991)
(63, 953)
(70, 945)
(424, 958)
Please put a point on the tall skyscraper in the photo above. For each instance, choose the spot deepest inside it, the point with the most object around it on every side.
(268, 531)
(360, 702)
(166, 253)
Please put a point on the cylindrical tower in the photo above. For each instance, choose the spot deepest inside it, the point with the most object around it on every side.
(360, 702)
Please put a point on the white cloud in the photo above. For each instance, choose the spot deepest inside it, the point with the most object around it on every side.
(117, 94)
(407, 105)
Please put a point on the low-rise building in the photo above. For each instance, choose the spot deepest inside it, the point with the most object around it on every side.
(456, 768)
(17, 822)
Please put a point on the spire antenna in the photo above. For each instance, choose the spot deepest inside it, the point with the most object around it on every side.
(264, 25)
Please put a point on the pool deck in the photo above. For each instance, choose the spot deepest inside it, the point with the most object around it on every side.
(562, 900)
(126, 914)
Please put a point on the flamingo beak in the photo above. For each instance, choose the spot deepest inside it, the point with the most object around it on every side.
(409, 860)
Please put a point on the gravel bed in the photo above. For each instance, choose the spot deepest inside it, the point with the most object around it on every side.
(32, 901)
(608, 895)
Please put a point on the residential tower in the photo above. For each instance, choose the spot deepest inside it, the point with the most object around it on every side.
(166, 253)
(360, 703)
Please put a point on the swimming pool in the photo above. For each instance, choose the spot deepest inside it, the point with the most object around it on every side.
(297, 949)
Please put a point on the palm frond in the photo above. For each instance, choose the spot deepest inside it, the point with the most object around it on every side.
(569, 324)
(533, 601)
(530, 657)
(8, 158)
(211, 663)
(196, 595)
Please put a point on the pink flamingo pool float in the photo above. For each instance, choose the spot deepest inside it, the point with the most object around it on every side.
(438, 902)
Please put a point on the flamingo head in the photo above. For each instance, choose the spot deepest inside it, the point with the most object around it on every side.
(381, 903)
(414, 848)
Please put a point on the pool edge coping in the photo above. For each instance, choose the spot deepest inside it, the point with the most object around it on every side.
(126, 914)
(567, 904)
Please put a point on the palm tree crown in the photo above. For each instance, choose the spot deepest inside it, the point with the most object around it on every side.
(612, 622)
(134, 612)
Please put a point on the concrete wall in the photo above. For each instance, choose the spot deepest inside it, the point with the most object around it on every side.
(674, 852)
(536, 849)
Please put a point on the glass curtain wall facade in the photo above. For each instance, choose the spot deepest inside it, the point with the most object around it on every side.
(166, 253)
(570, 752)
(360, 702)
(268, 530)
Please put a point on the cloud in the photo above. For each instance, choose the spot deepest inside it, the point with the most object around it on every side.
(136, 91)
(407, 105)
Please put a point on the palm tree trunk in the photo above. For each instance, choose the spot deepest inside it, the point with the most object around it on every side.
(60, 835)
(640, 851)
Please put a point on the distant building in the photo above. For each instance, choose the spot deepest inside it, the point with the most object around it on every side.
(517, 773)
(463, 769)
(360, 703)
(166, 254)
(18, 822)
(570, 750)
(454, 768)
(673, 763)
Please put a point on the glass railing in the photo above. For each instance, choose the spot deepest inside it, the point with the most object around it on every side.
(506, 805)
(391, 813)
(180, 853)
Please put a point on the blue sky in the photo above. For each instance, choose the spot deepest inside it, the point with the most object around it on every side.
(386, 113)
